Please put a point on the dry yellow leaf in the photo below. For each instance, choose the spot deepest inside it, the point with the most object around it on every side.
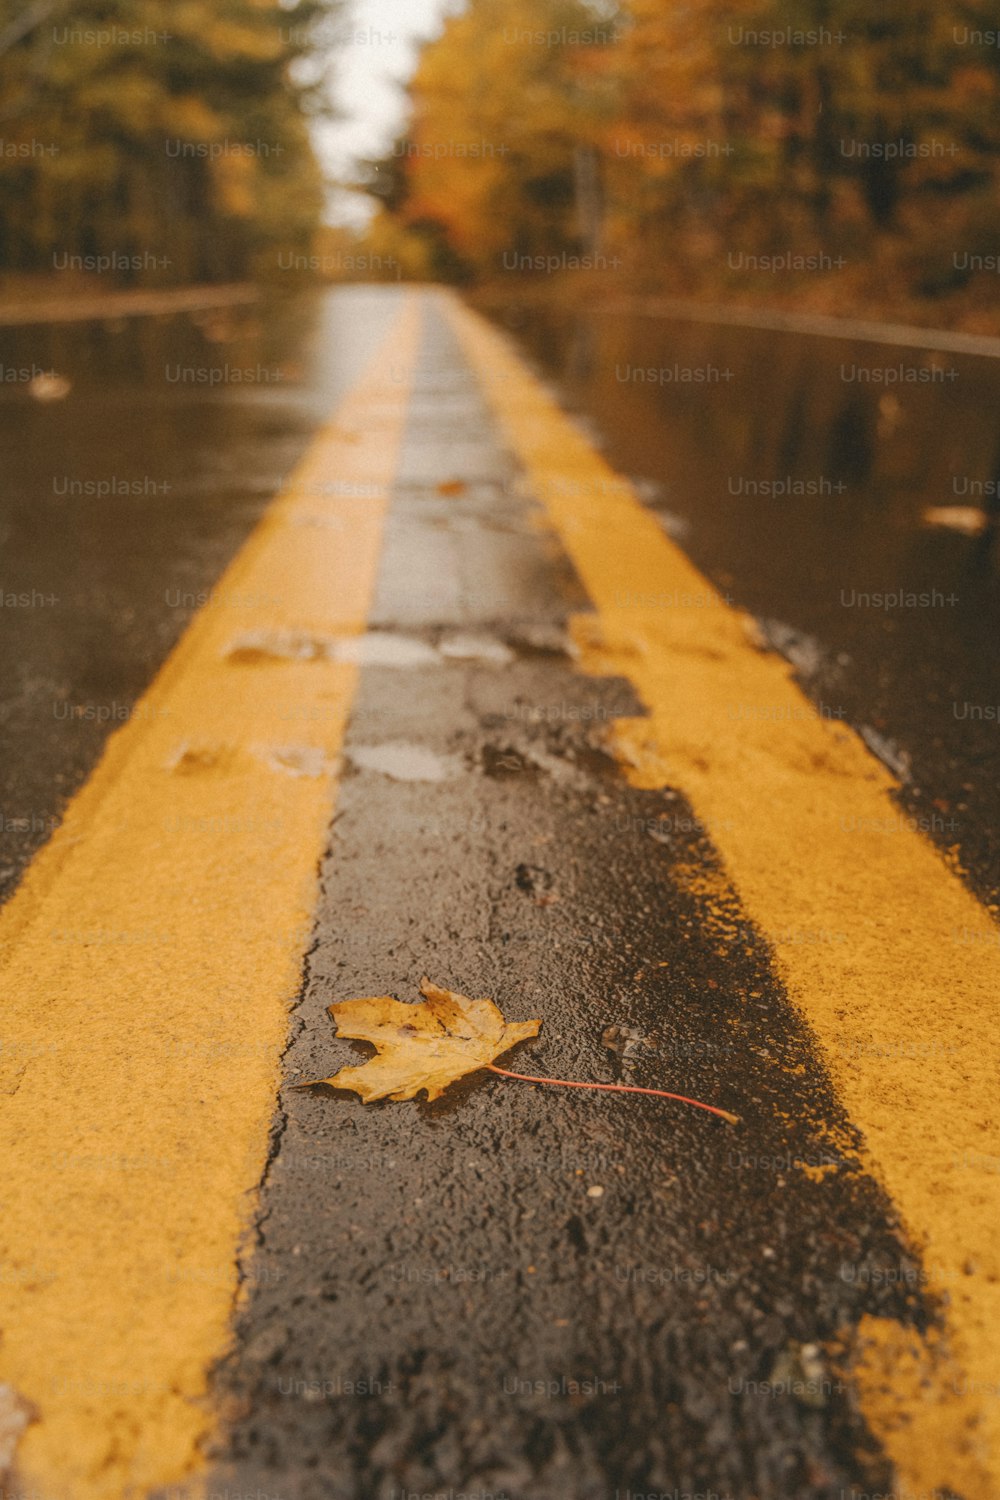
(422, 1046)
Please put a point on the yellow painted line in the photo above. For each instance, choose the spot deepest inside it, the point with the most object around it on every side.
(148, 963)
(905, 1009)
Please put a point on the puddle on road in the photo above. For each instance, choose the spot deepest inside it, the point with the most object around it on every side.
(481, 648)
(381, 648)
(293, 760)
(297, 760)
(258, 647)
(375, 648)
(403, 761)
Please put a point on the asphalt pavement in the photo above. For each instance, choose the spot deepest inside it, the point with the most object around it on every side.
(461, 707)
(521, 1291)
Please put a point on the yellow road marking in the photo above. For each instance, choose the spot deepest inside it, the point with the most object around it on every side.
(905, 1008)
(149, 961)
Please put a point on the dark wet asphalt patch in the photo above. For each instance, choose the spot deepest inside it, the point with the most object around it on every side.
(838, 522)
(520, 1290)
(120, 508)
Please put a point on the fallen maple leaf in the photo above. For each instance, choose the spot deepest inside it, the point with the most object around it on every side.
(423, 1046)
(441, 1039)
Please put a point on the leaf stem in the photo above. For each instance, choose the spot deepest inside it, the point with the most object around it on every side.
(617, 1088)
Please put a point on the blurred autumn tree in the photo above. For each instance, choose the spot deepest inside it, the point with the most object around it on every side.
(169, 133)
(692, 137)
(506, 117)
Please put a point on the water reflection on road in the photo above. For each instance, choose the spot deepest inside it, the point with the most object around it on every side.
(137, 455)
(797, 471)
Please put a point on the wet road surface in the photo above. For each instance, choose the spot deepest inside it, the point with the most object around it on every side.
(522, 1291)
(121, 504)
(796, 472)
(802, 501)
(534, 1294)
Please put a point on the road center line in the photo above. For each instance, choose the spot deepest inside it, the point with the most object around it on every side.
(148, 963)
(904, 1006)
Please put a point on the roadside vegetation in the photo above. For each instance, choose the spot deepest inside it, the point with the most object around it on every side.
(828, 154)
(156, 142)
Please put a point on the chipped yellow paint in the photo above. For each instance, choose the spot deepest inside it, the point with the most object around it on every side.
(148, 963)
(901, 986)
